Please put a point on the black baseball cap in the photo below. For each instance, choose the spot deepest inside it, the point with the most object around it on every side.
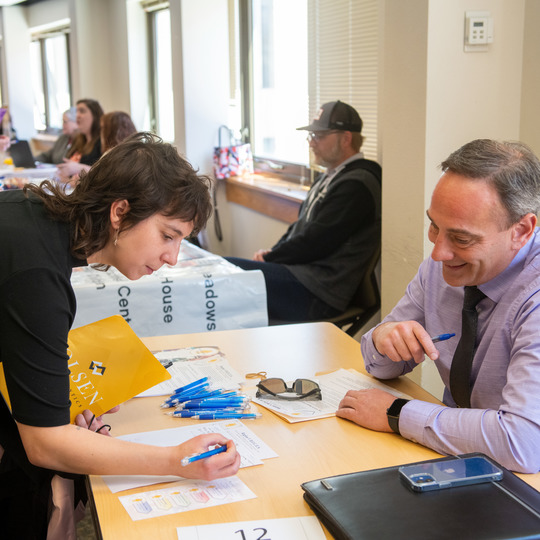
(335, 115)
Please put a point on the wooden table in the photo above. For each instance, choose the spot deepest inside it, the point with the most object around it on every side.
(307, 450)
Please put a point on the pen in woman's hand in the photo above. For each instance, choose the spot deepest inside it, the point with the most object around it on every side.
(195, 457)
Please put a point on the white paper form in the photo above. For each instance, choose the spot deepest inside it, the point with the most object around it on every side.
(334, 386)
(251, 448)
(297, 528)
(191, 364)
(184, 496)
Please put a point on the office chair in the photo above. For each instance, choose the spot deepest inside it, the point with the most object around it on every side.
(364, 304)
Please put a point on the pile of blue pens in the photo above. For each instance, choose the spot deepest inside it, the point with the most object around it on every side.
(199, 401)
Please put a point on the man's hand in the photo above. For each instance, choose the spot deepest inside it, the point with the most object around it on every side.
(406, 340)
(259, 255)
(367, 408)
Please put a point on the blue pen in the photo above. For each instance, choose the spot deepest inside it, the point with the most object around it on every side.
(236, 397)
(216, 394)
(171, 401)
(190, 413)
(441, 337)
(187, 396)
(190, 385)
(209, 393)
(225, 415)
(213, 406)
(195, 457)
(191, 391)
(213, 403)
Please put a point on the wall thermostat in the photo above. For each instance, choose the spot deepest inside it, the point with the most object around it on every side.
(478, 31)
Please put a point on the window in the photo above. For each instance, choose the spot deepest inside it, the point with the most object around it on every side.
(343, 63)
(161, 91)
(297, 56)
(49, 57)
(1, 77)
(277, 83)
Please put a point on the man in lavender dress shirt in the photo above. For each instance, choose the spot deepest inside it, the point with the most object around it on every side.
(483, 227)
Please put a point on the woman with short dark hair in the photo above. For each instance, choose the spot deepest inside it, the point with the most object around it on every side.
(131, 210)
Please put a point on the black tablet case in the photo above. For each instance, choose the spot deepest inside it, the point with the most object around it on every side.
(377, 504)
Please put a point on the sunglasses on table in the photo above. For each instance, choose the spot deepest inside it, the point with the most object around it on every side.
(300, 389)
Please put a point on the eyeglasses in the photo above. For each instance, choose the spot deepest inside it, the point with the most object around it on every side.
(316, 136)
(301, 389)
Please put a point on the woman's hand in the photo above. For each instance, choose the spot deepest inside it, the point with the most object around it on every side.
(216, 466)
(89, 421)
(69, 171)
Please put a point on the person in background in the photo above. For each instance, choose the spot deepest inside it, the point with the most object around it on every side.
(315, 268)
(485, 244)
(131, 210)
(5, 143)
(63, 143)
(86, 147)
(6, 124)
(114, 128)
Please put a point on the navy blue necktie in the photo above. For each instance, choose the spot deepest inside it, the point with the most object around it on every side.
(460, 371)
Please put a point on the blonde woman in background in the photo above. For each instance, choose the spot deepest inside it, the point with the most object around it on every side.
(64, 142)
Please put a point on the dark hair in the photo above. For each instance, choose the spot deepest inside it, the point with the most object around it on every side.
(80, 144)
(143, 170)
(511, 168)
(115, 127)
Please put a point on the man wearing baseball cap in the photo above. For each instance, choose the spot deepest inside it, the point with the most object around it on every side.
(315, 268)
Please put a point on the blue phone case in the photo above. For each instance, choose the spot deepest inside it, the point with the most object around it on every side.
(449, 473)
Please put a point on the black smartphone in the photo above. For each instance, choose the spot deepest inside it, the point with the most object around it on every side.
(449, 473)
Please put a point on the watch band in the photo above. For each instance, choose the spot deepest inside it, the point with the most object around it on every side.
(392, 413)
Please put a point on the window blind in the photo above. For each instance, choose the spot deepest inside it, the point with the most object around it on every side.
(154, 5)
(343, 60)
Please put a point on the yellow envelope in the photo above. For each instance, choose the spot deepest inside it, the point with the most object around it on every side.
(108, 365)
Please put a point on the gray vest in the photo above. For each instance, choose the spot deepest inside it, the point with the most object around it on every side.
(335, 278)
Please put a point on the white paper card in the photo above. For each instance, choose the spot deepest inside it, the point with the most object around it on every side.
(251, 448)
(184, 496)
(334, 386)
(191, 364)
(298, 528)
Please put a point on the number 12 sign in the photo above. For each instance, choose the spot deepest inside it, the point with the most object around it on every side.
(298, 528)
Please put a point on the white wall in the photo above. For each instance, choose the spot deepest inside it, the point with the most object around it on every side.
(43, 13)
(17, 91)
(403, 119)
(205, 47)
(438, 97)
(203, 103)
(99, 52)
(137, 36)
(529, 118)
